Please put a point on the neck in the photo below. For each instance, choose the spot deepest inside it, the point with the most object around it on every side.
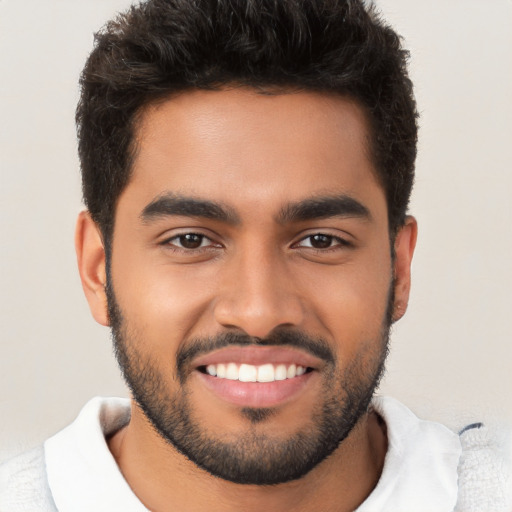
(159, 475)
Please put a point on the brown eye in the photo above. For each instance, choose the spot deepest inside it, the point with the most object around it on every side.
(320, 241)
(190, 240)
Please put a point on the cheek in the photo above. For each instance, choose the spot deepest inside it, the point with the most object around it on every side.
(351, 301)
(161, 303)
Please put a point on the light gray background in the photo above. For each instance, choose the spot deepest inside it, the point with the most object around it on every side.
(451, 354)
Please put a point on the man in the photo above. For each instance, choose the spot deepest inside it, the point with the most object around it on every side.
(246, 169)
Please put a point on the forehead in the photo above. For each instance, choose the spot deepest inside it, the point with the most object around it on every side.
(258, 150)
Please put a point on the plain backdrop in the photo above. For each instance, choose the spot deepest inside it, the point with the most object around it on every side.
(451, 357)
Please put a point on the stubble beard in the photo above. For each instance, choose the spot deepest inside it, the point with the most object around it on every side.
(252, 457)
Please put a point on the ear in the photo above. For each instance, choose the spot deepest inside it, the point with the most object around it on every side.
(90, 253)
(405, 242)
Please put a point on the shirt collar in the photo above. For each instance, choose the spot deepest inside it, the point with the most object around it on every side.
(82, 473)
(420, 468)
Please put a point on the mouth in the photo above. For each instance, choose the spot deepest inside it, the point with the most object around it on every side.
(257, 376)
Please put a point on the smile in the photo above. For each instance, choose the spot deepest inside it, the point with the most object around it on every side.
(252, 373)
(256, 376)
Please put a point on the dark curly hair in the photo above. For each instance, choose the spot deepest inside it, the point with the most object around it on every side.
(161, 47)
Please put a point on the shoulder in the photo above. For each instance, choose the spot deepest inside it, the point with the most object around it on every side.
(24, 485)
(429, 463)
(64, 469)
(485, 469)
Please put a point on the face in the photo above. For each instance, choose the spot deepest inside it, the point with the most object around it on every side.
(251, 279)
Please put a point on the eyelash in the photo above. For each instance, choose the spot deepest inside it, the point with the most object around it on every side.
(168, 243)
(332, 238)
(338, 243)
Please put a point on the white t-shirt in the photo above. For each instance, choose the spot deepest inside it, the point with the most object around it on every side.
(420, 469)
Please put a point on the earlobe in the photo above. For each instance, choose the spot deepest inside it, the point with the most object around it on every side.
(90, 254)
(405, 242)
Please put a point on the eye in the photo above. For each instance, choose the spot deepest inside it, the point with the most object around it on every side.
(322, 241)
(189, 241)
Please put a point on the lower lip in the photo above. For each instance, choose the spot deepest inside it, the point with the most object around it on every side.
(256, 394)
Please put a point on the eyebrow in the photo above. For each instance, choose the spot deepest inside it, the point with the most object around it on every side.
(322, 208)
(170, 204)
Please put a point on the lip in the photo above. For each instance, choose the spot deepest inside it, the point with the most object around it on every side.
(258, 355)
(256, 394)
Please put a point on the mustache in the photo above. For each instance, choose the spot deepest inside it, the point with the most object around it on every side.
(296, 339)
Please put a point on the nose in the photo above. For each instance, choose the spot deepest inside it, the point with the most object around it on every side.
(258, 294)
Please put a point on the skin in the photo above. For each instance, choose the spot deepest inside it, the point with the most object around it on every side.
(255, 154)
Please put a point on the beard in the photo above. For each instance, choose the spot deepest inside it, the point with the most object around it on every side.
(252, 457)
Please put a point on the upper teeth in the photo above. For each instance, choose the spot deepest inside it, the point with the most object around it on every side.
(250, 373)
